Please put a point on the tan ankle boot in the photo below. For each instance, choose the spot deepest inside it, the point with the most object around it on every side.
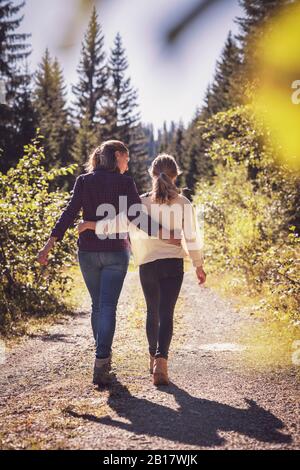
(151, 363)
(160, 371)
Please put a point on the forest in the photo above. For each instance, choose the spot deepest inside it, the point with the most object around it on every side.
(230, 161)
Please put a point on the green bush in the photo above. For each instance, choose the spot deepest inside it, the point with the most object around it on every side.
(28, 211)
(250, 209)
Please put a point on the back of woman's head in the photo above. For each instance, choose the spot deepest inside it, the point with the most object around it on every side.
(104, 156)
(164, 170)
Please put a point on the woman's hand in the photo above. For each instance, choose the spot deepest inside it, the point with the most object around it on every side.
(86, 225)
(43, 254)
(201, 275)
(43, 257)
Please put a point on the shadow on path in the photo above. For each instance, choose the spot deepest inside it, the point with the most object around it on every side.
(55, 337)
(195, 422)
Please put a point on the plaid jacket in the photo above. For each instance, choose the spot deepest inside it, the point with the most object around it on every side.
(90, 191)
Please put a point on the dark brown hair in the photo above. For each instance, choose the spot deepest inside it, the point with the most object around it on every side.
(163, 169)
(104, 156)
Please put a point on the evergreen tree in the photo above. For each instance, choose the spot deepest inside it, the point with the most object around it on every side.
(138, 167)
(164, 139)
(225, 89)
(85, 141)
(90, 92)
(197, 164)
(235, 72)
(13, 46)
(52, 115)
(222, 94)
(122, 119)
(175, 148)
(257, 14)
(123, 98)
(13, 52)
(91, 88)
(167, 137)
(206, 111)
(25, 117)
(151, 144)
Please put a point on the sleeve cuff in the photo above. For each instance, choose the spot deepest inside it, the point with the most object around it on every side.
(100, 225)
(197, 263)
(57, 235)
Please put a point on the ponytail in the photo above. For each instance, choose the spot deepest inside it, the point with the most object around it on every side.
(163, 169)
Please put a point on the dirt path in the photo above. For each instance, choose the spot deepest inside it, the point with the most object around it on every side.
(215, 401)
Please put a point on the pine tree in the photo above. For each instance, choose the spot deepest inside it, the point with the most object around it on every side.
(164, 139)
(13, 52)
(225, 89)
(222, 94)
(90, 92)
(235, 70)
(194, 161)
(13, 46)
(122, 119)
(175, 148)
(258, 13)
(123, 98)
(52, 115)
(25, 117)
(91, 88)
(85, 141)
(151, 143)
(139, 159)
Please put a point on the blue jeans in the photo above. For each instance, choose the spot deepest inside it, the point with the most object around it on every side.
(104, 274)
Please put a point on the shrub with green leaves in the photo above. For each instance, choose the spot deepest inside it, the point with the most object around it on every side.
(251, 212)
(28, 212)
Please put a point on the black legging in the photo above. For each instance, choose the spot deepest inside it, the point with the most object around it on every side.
(161, 282)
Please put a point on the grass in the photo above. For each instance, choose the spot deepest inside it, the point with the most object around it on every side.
(271, 339)
(32, 325)
(271, 346)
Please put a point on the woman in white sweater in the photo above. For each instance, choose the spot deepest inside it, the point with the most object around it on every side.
(160, 264)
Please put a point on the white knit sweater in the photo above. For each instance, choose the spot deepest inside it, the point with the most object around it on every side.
(178, 216)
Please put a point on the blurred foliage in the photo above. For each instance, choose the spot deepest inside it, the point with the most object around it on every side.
(197, 9)
(249, 215)
(277, 68)
(193, 12)
(28, 211)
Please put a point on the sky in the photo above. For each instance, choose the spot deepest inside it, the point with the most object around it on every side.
(171, 81)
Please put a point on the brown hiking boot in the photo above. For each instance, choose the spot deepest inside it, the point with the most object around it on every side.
(102, 368)
(151, 363)
(160, 371)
